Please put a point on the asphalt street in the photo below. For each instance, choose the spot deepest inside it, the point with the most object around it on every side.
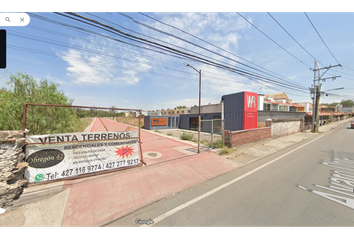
(274, 191)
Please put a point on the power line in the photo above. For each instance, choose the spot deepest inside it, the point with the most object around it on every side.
(274, 41)
(321, 38)
(125, 68)
(171, 50)
(145, 25)
(86, 60)
(207, 42)
(291, 36)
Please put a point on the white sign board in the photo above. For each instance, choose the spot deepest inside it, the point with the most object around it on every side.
(61, 160)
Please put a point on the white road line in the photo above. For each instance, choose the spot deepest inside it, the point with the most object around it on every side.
(180, 207)
(302, 187)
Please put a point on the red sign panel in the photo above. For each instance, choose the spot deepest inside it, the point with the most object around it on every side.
(250, 101)
(250, 120)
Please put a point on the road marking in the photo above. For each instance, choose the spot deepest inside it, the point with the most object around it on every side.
(302, 187)
(338, 178)
(182, 206)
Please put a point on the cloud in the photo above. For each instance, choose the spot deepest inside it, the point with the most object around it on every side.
(219, 29)
(94, 61)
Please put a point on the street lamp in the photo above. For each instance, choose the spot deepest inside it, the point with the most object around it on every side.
(324, 92)
(200, 94)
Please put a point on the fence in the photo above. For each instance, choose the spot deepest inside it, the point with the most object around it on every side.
(61, 148)
(214, 126)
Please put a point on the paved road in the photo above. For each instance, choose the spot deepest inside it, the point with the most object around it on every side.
(267, 192)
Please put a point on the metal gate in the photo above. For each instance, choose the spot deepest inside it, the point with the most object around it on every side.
(216, 129)
(61, 148)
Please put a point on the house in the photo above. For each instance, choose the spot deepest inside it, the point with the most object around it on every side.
(281, 102)
(175, 111)
(307, 106)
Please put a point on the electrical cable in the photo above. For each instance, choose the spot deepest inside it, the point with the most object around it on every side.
(273, 41)
(185, 58)
(292, 37)
(321, 38)
(205, 61)
(283, 78)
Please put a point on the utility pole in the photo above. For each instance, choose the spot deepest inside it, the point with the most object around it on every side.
(316, 91)
(314, 95)
(318, 96)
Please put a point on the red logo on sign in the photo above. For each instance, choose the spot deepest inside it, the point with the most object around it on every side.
(124, 151)
(250, 102)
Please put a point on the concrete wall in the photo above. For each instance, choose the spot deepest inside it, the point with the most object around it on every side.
(12, 167)
(212, 108)
(263, 115)
(283, 127)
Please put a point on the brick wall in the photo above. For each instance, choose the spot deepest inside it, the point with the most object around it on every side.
(237, 138)
(274, 128)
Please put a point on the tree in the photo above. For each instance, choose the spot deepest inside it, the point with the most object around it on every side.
(347, 103)
(112, 111)
(181, 107)
(40, 119)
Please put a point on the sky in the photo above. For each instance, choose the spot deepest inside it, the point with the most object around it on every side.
(99, 68)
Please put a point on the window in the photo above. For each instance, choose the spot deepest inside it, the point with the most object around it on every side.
(274, 108)
(266, 107)
(293, 109)
(177, 111)
(283, 108)
(173, 122)
(169, 122)
(177, 122)
(193, 124)
(182, 111)
(217, 124)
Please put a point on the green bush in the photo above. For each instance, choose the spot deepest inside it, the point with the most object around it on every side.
(169, 134)
(227, 150)
(218, 144)
(23, 88)
(187, 136)
(224, 151)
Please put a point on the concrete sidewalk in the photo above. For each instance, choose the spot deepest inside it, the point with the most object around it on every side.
(172, 166)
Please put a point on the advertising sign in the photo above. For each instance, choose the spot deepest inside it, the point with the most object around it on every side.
(62, 160)
(250, 101)
(158, 121)
(250, 120)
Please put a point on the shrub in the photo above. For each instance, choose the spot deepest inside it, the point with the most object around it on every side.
(218, 144)
(169, 134)
(227, 151)
(224, 151)
(187, 136)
